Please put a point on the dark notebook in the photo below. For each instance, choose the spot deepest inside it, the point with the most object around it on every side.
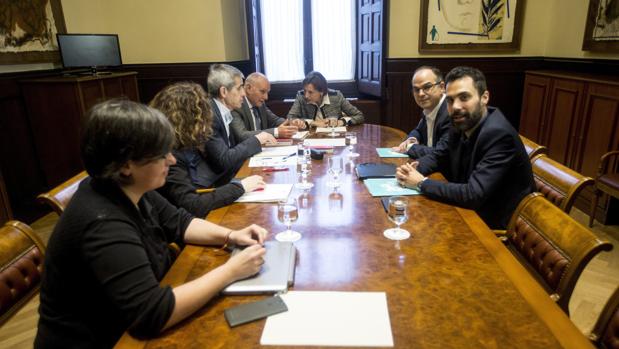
(375, 170)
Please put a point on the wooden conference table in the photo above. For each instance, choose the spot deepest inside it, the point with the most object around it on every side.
(452, 285)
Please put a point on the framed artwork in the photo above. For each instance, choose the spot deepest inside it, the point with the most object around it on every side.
(602, 28)
(473, 25)
(28, 31)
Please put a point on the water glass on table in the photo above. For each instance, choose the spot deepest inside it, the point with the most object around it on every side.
(398, 214)
(287, 213)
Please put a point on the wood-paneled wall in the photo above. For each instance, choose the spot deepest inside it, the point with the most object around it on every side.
(22, 171)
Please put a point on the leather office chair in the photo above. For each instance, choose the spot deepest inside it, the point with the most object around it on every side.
(559, 184)
(606, 180)
(605, 333)
(533, 149)
(21, 264)
(553, 246)
(59, 197)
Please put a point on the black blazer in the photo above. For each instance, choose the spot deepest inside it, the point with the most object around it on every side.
(191, 172)
(225, 154)
(242, 125)
(489, 172)
(442, 125)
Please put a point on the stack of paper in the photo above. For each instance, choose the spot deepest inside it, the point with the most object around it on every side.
(331, 319)
(387, 187)
(277, 161)
(277, 151)
(325, 142)
(300, 135)
(328, 129)
(270, 193)
(388, 153)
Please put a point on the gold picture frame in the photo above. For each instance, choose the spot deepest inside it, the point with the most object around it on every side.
(602, 26)
(477, 25)
(37, 23)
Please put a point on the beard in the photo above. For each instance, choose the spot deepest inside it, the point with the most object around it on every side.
(469, 120)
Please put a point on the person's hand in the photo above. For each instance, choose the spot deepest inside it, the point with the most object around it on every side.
(250, 235)
(408, 176)
(247, 262)
(266, 138)
(320, 123)
(299, 123)
(252, 183)
(286, 131)
(403, 147)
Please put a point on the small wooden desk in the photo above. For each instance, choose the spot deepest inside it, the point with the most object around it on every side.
(452, 285)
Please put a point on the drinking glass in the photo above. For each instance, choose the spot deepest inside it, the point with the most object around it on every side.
(351, 140)
(303, 162)
(336, 166)
(287, 213)
(332, 122)
(398, 214)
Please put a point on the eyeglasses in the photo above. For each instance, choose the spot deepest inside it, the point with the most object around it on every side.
(425, 88)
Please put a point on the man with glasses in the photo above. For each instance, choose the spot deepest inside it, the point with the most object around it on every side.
(484, 161)
(431, 132)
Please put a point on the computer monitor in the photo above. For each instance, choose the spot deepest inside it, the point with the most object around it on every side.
(89, 50)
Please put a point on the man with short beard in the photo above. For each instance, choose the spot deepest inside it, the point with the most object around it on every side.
(485, 162)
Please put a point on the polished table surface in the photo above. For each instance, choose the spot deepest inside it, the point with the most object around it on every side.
(453, 284)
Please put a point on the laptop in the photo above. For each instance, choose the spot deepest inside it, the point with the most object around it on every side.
(276, 274)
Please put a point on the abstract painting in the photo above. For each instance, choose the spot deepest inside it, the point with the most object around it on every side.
(28, 31)
(602, 27)
(464, 25)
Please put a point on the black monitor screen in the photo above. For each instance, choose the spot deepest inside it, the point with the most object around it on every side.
(89, 50)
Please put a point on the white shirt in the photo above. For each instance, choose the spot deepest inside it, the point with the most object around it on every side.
(325, 100)
(225, 114)
(431, 119)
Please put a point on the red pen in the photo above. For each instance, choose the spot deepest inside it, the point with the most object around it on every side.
(259, 189)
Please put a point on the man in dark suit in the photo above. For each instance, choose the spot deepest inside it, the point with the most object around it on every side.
(224, 153)
(433, 128)
(254, 116)
(484, 161)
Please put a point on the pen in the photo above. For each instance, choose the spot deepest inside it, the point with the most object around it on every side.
(205, 190)
(274, 169)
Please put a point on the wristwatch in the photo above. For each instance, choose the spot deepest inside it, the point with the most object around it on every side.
(420, 182)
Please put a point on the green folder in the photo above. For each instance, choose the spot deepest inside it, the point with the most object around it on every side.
(387, 187)
(388, 153)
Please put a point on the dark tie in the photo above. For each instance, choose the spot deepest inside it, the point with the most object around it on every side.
(257, 118)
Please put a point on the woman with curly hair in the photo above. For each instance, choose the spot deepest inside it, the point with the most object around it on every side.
(186, 106)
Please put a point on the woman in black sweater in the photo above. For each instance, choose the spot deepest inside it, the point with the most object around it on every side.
(109, 250)
(187, 108)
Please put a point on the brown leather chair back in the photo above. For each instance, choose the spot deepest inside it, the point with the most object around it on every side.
(59, 197)
(552, 245)
(21, 264)
(606, 180)
(605, 333)
(559, 184)
(533, 149)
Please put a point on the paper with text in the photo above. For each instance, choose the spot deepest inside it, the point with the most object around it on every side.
(270, 193)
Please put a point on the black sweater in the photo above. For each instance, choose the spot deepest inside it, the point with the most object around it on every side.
(103, 265)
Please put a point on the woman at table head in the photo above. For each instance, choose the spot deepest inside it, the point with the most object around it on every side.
(186, 106)
(109, 250)
(317, 104)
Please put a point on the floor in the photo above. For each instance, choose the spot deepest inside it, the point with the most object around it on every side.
(596, 284)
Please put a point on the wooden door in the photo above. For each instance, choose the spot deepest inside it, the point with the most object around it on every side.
(371, 46)
(566, 97)
(534, 105)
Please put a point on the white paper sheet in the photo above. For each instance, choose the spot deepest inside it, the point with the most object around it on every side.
(300, 135)
(270, 193)
(328, 129)
(325, 142)
(331, 319)
(276, 161)
(277, 151)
